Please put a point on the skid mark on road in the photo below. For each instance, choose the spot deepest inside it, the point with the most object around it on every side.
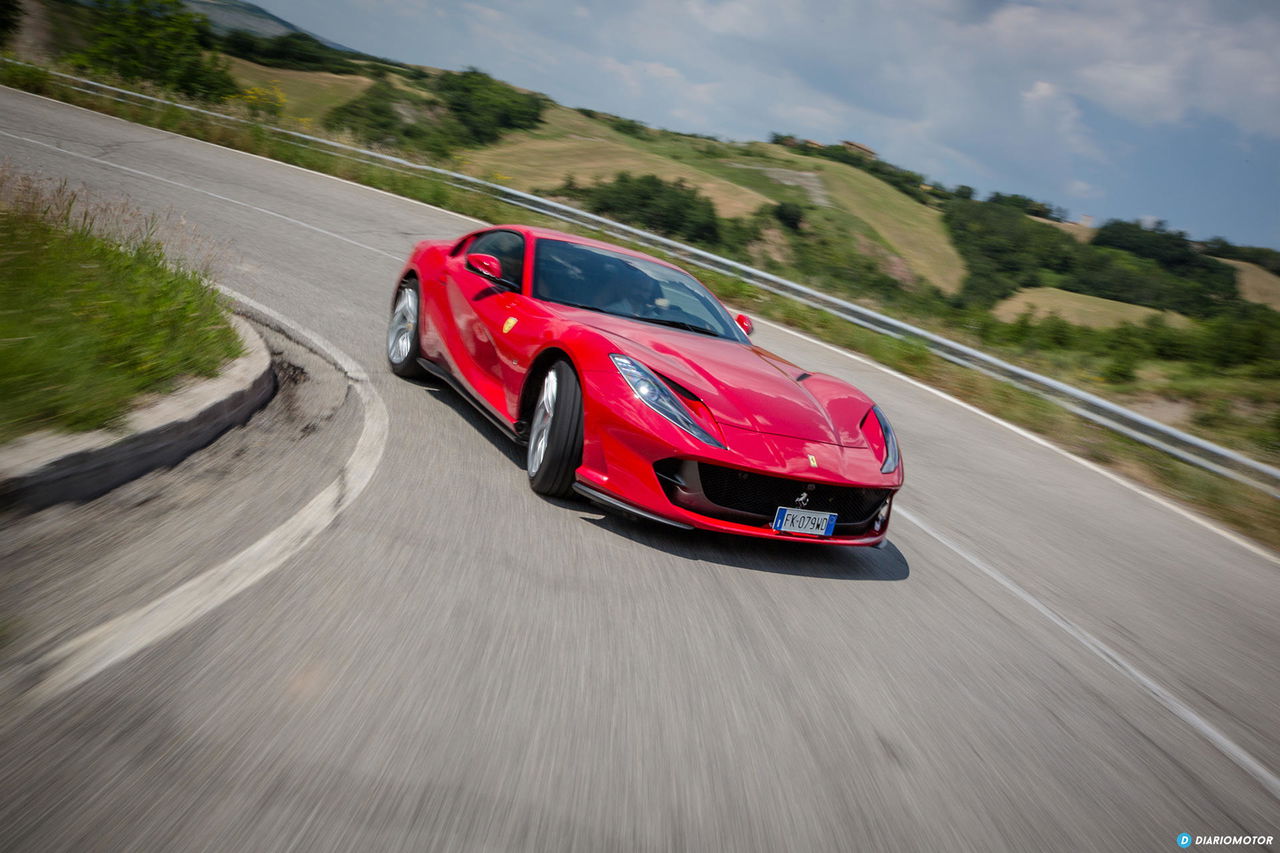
(80, 659)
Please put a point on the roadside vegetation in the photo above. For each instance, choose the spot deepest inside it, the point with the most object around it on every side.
(94, 312)
(822, 241)
(10, 18)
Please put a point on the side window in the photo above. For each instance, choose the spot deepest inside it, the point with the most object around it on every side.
(507, 247)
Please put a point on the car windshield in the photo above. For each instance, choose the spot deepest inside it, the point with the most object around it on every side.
(626, 286)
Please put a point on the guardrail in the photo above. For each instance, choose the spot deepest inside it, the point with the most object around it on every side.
(1175, 442)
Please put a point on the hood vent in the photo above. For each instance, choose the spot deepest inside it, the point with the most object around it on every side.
(678, 388)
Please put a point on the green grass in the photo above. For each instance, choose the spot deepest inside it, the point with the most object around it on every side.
(1240, 507)
(88, 324)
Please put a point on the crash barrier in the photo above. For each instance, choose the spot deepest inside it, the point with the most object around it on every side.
(1175, 442)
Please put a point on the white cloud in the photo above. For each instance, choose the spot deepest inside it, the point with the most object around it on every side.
(1077, 188)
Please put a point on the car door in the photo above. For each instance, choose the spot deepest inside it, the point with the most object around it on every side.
(486, 313)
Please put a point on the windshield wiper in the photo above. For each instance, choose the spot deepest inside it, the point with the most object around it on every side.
(680, 324)
(675, 324)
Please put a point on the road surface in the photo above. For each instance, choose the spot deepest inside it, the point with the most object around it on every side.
(1045, 659)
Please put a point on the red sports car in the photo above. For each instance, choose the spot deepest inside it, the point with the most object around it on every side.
(630, 384)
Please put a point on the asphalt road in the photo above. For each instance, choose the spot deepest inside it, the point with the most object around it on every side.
(1045, 659)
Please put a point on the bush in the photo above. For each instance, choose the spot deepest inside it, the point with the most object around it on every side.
(789, 214)
(486, 107)
(1172, 251)
(668, 207)
(1121, 368)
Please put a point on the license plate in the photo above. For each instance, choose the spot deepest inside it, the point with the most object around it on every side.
(790, 520)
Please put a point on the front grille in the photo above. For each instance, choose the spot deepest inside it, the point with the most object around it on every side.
(760, 494)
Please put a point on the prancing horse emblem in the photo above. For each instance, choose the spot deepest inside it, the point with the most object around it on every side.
(803, 500)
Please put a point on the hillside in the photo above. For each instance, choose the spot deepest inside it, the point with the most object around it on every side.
(569, 143)
(308, 94)
(1255, 283)
(227, 15)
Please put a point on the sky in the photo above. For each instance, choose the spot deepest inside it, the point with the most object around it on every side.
(1132, 109)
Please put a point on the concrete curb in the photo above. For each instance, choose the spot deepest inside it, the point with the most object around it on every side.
(45, 468)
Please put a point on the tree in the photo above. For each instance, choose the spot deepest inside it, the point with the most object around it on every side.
(10, 17)
(964, 191)
(160, 41)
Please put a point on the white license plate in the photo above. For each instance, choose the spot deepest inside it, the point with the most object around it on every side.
(790, 520)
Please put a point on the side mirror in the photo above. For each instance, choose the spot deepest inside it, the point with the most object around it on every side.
(487, 265)
(744, 323)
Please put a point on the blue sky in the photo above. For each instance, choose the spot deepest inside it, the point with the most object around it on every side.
(1113, 108)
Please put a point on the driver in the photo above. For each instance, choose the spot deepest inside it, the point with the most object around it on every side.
(626, 290)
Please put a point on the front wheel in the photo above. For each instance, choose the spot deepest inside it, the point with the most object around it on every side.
(555, 435)
(402, 331)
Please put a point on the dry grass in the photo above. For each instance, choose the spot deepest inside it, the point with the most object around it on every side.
(571, 144)
(1256, 284)
(308, 94)
(1082, 233)
(1080, 308)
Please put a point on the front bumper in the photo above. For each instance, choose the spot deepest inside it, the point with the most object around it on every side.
(635, 460)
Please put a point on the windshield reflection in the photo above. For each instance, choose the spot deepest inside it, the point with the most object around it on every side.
(625, 286)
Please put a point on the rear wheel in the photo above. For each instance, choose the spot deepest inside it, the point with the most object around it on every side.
(402, 331)
(555, 433)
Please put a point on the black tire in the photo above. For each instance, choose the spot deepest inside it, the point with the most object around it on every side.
(552, 466)
(402, 331)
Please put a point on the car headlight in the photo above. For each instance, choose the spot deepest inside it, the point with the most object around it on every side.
(657, 396)
(875, 426)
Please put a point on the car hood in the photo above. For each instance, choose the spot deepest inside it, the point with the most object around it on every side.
(743, 385)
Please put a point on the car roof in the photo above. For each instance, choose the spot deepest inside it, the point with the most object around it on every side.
(538, 233)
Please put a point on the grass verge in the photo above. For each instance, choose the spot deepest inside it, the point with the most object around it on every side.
(90, 323)
(1233, 505)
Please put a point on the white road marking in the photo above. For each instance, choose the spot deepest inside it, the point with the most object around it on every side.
(83, 657)
(1244, 760)
(1216, 527)
(174, 183)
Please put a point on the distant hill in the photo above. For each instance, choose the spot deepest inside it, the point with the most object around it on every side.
(227, 15)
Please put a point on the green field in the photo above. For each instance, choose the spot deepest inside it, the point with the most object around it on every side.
(308, 94)
(1079, 308)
